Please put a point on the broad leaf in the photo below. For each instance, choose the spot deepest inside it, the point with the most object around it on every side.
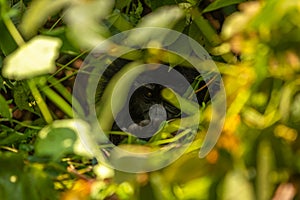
(55, 142)
(83, 17)
(164, 17)
(64, 137)
(20, 181)
(236, 186)
(32, 59)
(67, 46)
(38, 13)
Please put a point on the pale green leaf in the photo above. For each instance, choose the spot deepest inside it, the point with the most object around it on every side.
(165, 17)
(83, 17)
(236, 186)
(67, 136)
(37, 57)
(62, 139)
(24, 181)
(195, 189)
(38, 13)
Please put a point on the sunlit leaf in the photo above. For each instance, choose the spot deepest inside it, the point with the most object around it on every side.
(241, 18)
(83, 17)
(117, 85)
(61, 138)
(68, 136)
(165, 17)
(209, 33)
(67, 46)
(159, 189)
(295, 108)
(118, 20)
(38, 13)
(236, 186)
(265, 166)
(32, 59)
(125, 191)
(103, 172)
(195, 189)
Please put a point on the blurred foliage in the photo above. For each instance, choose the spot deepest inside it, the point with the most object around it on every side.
(256, 46)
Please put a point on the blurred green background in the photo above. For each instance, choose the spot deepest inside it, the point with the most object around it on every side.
(256, 47)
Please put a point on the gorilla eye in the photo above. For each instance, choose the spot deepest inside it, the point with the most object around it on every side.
(148, 94)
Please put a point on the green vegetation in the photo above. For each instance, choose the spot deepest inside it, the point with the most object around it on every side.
(256, 47)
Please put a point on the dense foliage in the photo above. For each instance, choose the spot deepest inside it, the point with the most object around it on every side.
(255, 45)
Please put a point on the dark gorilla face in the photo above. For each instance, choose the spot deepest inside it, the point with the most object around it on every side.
(148, 110)
(144, 98)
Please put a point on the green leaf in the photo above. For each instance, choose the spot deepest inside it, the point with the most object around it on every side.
(120, 4)
(119, 21)
(58, 100)
(208, 32)
(67, 136)
(165, 17)
(13, 138)
(236, 186)
(265, 167)
(295, 109)
(16, 12)
(67, 46)
(220, 4)
(9, 136)
(38, 13)
(83, 17)
(20, 181)
(2, 87)
(22, 96)
(195, 189)
(4, 108)
(116, 86)
(55, 142)
(11, 167)
(7, 43)
(32, 59)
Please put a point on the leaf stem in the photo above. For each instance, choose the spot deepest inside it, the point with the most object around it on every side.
(58, 100)
(21, 123)
(39, 100)
(31, 83)
(13, 31)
